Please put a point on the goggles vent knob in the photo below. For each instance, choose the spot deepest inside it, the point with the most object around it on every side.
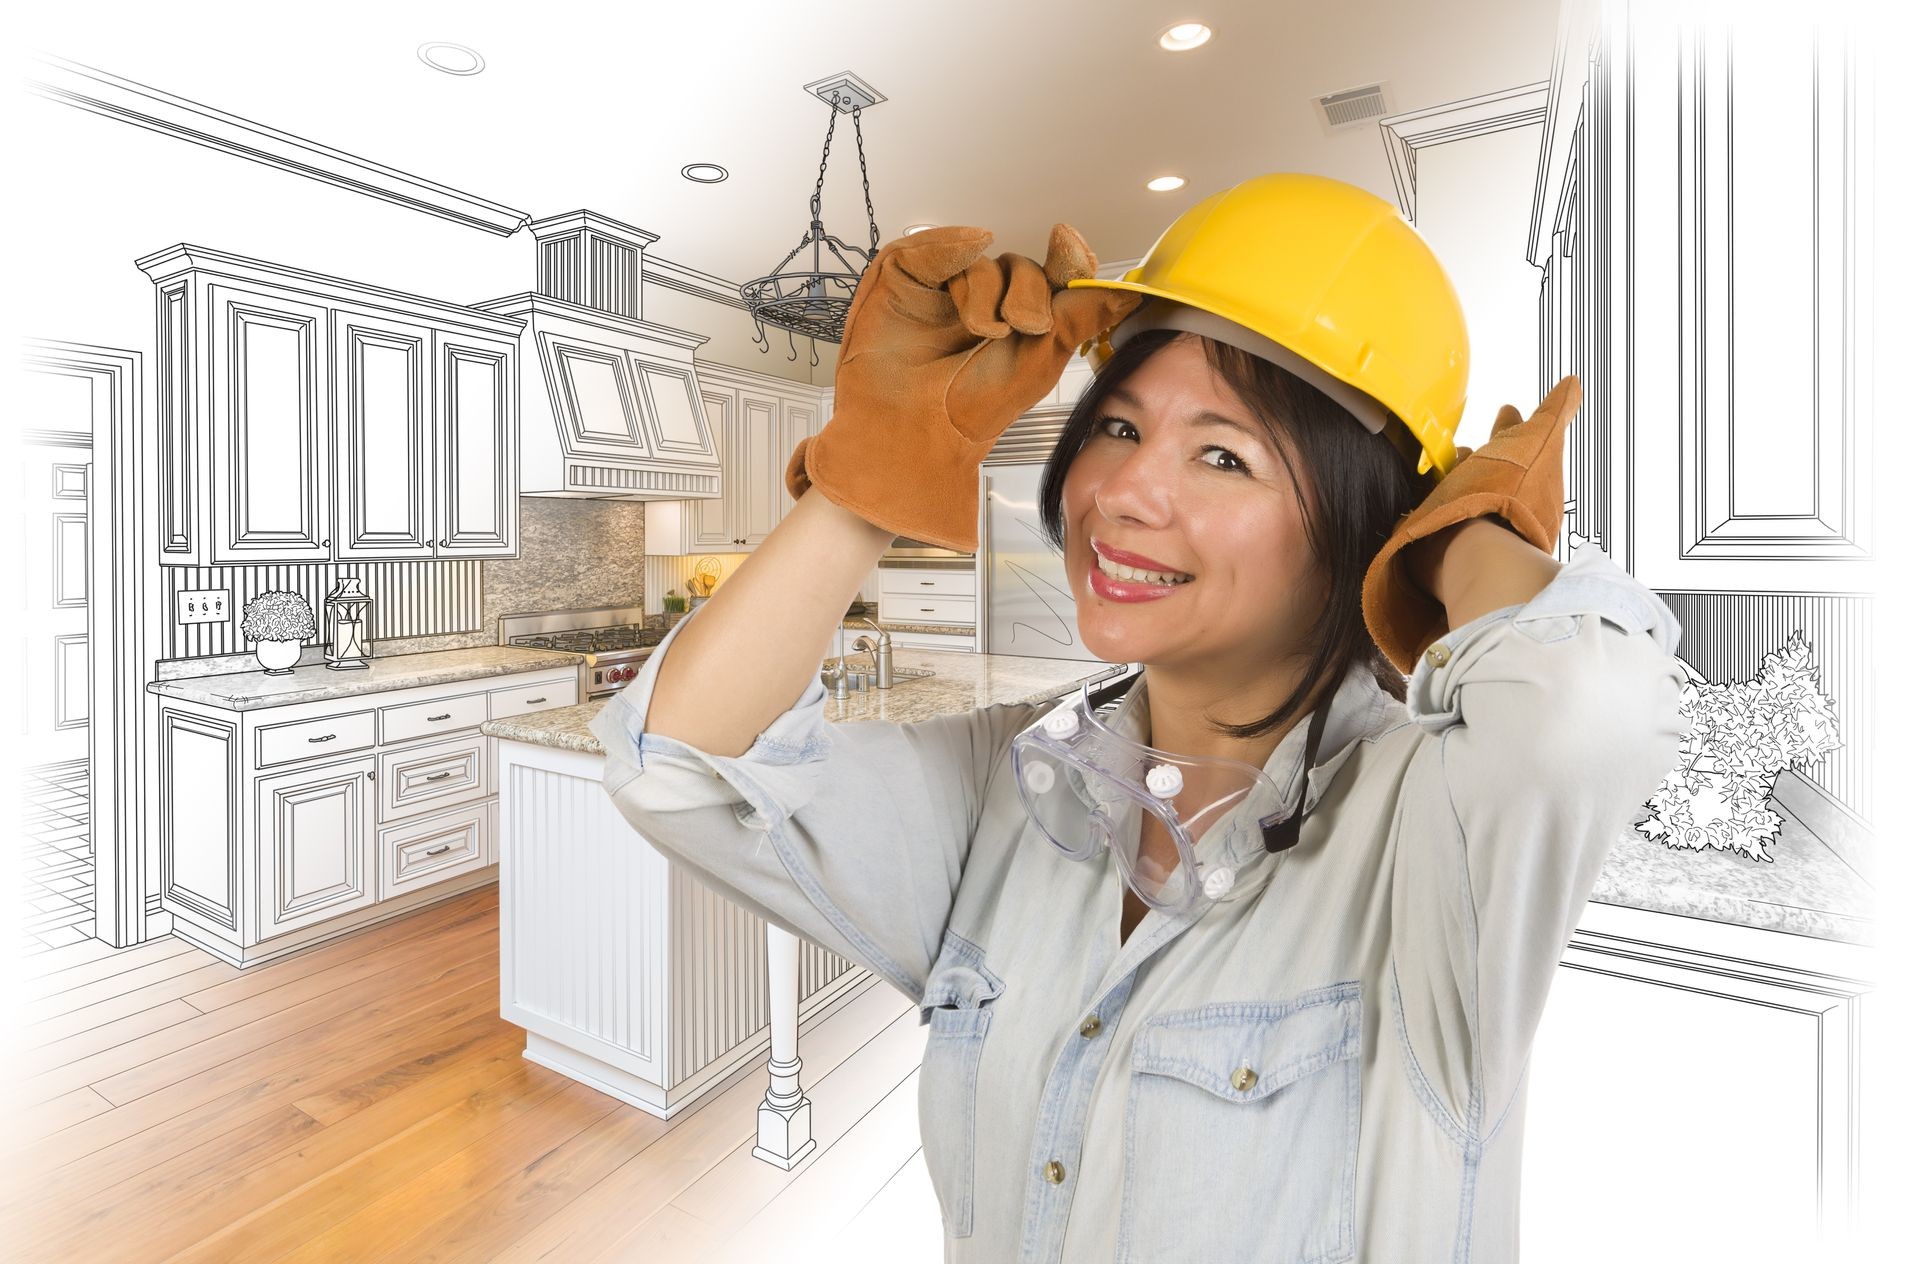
(1039, 778)
(1062, 724)
(1218, 882)
(1164, 781)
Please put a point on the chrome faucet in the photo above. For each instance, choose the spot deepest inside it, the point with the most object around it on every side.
(882, 651)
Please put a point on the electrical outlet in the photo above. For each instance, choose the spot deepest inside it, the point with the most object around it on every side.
(204, 605)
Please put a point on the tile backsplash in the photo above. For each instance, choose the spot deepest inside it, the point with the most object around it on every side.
(574, 554)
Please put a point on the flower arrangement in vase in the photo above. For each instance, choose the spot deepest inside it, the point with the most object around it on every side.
(277, 622)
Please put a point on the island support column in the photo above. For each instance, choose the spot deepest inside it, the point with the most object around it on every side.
(786, 1116)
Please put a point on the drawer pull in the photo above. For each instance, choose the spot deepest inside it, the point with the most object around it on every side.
(435, 851)
(328, 738)
(926, 610)
(926, 583)
(442, 716)
(440, 776)
(541, 698)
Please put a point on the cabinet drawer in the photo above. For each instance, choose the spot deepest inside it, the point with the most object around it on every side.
(525, 698)
(423, 719)
(898, 579)
(308, 739)
(895, 608)
(432, 775)
(434, 848)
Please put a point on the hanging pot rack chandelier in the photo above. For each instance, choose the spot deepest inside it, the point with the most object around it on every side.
(813, 303)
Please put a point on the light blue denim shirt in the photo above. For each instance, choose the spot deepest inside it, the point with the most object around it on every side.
(1332, 1069)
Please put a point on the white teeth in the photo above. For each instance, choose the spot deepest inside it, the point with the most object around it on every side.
(1135, 574)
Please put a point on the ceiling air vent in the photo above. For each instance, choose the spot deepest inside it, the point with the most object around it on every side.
(1354, 106)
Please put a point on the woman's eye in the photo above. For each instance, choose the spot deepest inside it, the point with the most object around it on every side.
(1243, 468)
(1236, 459)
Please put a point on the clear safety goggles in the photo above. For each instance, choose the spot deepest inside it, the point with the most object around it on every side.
(1090, 789)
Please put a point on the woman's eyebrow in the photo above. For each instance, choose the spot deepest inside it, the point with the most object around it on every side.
(1205, 417)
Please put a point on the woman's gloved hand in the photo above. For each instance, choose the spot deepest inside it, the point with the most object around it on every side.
(943, 349)
(1514, 476)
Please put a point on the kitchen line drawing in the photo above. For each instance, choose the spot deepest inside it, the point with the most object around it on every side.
(301, 370)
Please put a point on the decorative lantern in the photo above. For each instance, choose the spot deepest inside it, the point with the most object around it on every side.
(347, 625)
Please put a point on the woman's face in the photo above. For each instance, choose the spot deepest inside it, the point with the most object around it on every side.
(1215, 501)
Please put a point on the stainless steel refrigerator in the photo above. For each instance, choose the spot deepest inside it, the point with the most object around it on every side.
(1028, 602)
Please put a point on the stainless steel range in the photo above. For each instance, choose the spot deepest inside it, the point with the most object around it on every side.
(612, 642)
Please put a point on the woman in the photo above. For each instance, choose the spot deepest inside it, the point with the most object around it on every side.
(1321, 1056)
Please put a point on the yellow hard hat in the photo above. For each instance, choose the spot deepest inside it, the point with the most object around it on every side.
(1327, 280)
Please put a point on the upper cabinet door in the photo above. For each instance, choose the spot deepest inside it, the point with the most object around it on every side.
(270, 442)
(797, 421)
(383, 439)
(713, 516)
(476, 398)
(757, 473)
(595, 398)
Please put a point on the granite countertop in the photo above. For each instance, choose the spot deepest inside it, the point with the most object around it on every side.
(962, 681)
(249, 690)
(1807, 890)
(873, 612)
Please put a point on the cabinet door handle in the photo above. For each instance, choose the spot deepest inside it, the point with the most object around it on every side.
(328, 738)
(443, 715)
(369, 774)
(440, 776)
(435, 851)
(541, 698)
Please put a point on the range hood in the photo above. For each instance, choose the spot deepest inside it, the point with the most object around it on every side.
(609, 403)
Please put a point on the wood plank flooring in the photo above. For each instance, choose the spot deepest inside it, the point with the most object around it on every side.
(364, 1100)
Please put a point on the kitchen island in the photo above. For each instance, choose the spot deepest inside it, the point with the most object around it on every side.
(630, 975)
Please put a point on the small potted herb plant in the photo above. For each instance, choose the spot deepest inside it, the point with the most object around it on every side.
(277, 622)
(673, 602)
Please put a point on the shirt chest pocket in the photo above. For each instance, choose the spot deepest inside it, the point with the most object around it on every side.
(1243, 1132)
(956, 1008)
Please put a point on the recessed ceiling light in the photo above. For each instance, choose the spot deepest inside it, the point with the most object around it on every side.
(1162, 184)
(1185, 35)
(455, 59)
(704, 172)
(911, 229)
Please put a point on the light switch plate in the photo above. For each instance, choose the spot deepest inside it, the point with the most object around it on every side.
(204, 605)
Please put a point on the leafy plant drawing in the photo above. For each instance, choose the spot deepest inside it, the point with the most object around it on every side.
(1744, 734)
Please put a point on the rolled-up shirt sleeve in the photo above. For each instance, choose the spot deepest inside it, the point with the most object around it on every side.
(852, 835)
(1547, 727)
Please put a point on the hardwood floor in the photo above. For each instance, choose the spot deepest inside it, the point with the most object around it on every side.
(364, 1100)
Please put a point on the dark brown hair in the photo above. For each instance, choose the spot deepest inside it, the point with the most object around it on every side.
(1361, 484)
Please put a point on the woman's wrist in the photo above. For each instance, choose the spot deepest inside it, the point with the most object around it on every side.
(1476, 566)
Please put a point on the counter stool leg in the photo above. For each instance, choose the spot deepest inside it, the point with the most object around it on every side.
(786, 1116)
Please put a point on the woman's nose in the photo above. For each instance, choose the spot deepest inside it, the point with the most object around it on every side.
(1139, 488)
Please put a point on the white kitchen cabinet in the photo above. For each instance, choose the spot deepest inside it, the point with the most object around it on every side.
(756, 429)
(1693, 1092)
(270, 399)
(383, 436)
(476, 434)
(712, 517)
(911, 594)
(282, 826)
(316, 843)
(303, 418)
(1704, 234)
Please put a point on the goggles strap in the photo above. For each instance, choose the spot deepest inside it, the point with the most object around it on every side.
(1280, 835)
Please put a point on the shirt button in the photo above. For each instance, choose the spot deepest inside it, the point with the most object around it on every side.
(1091, 1027)
(1243, 1078)
(1055, 1172)
(1438, 655)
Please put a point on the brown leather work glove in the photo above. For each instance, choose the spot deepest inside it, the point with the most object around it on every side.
(943, 349)
(1514, 476)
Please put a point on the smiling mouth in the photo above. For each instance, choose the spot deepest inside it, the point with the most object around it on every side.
(1135, 575)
